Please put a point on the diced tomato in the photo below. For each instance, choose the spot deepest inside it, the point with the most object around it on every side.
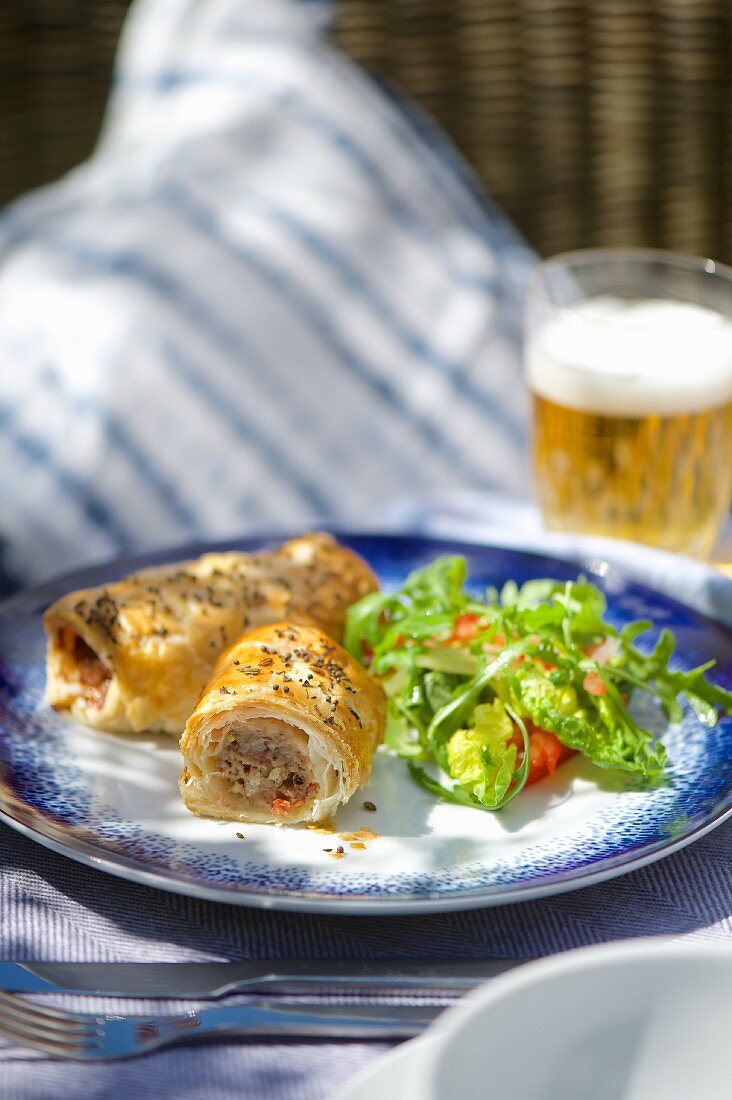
(281, 806)
(367, 653)
(593, 683)
(546, 752)
(465, 629)
(498, 638)
(399, 641)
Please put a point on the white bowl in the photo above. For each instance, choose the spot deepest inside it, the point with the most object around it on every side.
(639, 1020)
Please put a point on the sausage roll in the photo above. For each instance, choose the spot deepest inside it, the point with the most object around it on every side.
(135, 655)
(285, 731)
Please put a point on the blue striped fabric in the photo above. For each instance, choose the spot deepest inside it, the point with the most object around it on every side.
(273, 298)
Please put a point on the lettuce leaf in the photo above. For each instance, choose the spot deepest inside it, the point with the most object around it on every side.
(483, 759)
(600, 727)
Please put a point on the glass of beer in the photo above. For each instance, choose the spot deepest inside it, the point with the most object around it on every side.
(629, 364)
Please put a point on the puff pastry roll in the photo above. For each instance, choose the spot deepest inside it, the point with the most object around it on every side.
(135, 655)
(285, 731)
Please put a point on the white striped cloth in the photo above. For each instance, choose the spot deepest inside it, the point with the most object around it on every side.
(272, 298)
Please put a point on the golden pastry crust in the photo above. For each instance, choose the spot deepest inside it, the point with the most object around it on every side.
(285, 730)
(135, 655)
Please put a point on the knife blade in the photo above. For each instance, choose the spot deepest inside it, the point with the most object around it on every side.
(443, 977)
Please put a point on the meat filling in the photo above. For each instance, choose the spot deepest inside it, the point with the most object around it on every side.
(85, 667)
(267, 762)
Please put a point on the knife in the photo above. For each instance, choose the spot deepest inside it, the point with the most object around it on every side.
(440, 977)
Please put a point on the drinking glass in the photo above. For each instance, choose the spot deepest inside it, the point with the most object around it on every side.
(629, 364)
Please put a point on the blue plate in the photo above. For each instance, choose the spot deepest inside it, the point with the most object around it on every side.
(111, 801)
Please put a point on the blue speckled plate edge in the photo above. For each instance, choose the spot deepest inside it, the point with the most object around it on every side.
(33, 825)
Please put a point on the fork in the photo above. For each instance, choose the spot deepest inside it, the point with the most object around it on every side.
(91, 1037)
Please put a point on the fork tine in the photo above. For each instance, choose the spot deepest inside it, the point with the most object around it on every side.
(30, 1029)
(41, 1015)
(51, 1030)
(14, 1000)
(64, 1047)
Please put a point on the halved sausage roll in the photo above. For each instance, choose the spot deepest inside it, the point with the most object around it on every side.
(135, 655)
(285, 731)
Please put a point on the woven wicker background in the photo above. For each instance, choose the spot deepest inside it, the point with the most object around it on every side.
(55, 67)
(591, 121)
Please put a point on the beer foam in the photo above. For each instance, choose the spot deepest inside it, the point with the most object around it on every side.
(633, 358)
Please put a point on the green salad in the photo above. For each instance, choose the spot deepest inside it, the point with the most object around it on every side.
(489, 695)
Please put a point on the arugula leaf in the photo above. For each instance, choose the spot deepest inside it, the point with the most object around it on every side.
(632, 630)
(585, 605)
(533, 594)
(362, 622)
(455, 794)
(441, 582)
(705, 698)
(401, 733)
(439, 689)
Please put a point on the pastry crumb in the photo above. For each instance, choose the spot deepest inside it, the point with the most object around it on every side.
(326, 826)
(360, 834)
